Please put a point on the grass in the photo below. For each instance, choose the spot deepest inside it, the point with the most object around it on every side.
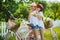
(12, 37)
(47, 34)
(58, 32)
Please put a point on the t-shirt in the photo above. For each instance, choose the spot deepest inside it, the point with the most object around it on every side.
(35, 21)
(40, 22)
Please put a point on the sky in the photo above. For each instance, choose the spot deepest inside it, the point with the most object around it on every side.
(43, 0)
(52, 0)
(47, 0)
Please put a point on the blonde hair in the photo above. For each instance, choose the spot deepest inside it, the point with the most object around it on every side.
(33, 4)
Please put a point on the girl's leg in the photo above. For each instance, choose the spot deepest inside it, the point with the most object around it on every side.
(42, 34)
(36, 33)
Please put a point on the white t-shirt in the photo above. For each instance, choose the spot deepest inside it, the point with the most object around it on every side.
(40, 22)
(35, 21)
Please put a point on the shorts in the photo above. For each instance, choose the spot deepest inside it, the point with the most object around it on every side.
(36, 27)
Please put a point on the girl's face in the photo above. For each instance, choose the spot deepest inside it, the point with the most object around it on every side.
(33, 7)
(38, 9)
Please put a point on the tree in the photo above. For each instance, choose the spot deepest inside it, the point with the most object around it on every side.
(55, 9)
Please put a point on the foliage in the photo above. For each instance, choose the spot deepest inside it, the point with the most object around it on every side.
(0, 30)
(52, 11)
(21, 9)
(12, 37)
(1, 38)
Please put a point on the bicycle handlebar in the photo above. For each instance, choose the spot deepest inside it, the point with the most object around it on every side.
(14, 17)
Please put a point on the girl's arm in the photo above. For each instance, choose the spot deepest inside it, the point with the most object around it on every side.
(40, 15)
(34, 14)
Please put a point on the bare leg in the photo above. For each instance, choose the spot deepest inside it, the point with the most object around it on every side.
(36, 34)
(42, 34)
(31, 35)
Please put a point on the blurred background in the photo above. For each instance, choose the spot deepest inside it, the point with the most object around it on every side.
(20, 9)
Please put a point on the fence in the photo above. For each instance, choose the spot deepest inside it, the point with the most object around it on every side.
(3, 29)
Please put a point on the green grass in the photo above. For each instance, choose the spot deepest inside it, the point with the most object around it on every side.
(12, 37)
(58, 32)
(48, 35)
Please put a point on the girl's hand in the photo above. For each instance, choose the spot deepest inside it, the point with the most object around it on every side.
(34, 14)
(39, 17)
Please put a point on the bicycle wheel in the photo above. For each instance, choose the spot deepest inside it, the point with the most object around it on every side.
(7, 36)
(54, 35)
(14, 35)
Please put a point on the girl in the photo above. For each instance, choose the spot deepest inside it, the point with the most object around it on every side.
(31, 18)
(36, 17)
(40, 24)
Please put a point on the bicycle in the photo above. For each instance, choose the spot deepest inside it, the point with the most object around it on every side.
(26, 31)
(12, 28)
(22, 26)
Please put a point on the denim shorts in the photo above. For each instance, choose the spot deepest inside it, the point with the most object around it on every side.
(36, 27)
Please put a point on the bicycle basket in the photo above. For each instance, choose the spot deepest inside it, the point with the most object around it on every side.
(48, 24)
(13, 25)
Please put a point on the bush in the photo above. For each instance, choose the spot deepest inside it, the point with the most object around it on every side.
(1, 38)
(12, 37)
(0, 30)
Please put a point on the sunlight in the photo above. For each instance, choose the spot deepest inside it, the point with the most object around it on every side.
(52, 0)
